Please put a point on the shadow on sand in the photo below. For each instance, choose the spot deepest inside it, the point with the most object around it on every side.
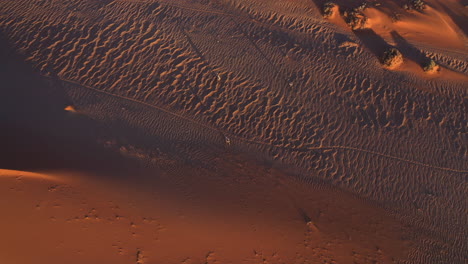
(373, 42)
(36, 133)
(408, 50)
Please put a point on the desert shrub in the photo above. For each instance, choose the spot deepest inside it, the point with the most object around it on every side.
(430, 66)
(395, 17)
(418, 5)
(355, 20)
(328, 9)
(392, 58)
(361, 7)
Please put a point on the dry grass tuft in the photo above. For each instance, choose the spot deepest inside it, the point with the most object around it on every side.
(430, 66)
(392, 58)
(328, 9)
(355, 20)
(417, 5)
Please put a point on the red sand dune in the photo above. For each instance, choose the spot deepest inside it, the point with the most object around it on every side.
(233, 131)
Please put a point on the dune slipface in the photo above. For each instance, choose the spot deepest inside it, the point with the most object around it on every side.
(233, 131)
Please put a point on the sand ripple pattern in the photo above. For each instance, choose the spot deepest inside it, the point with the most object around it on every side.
(291, 87)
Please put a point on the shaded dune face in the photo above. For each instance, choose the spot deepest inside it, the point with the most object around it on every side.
(247, 97)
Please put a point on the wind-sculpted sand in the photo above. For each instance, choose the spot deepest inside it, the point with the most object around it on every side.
(211, 101)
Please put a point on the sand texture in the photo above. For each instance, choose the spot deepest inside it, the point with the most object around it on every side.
(233, 131)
